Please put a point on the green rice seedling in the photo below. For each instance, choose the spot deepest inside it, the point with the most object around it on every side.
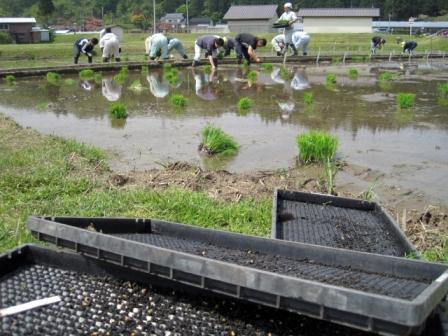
(98, 77)
(145, 69)
(53, 78)
(330, 172)
(207, 69)
(125, 58)
(10, 80)
(284, 73)
(42, 106)
(86, 74)
(405, 100)
(443, 89)
(118, 110)
(216, 141)
(336, 60)
(369, 195)
(172, 76)
(167, 66)
(267, 66)
(245, 103)
(178, 100)
(69, 82)
(246, 63)
(359, 59)
(353, 73)
(331, 79)
(386, 76)
(308, 98)
(316, 146)
(136, 86)
(252, 76)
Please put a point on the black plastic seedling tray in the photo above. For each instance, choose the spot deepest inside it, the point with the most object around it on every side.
(337, 222)
(99, 298)
(370, 292)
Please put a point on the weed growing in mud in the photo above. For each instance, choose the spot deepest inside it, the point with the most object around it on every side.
(308, 98)
(252, 76)
(386, 76)
(353, 73)
(136, 86)
(86, 74)
(244, 103)
(331, 79)
(267, 66)
(317, 146)
(98, 77)
(216, 141)
(118, 110)
(145, 69)
(178, 100)
(172, 76)
(53, 78)
(405, 100)
(10, 80)
(443, 89)
(207, 69)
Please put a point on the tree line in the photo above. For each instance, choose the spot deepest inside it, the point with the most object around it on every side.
(140, 13)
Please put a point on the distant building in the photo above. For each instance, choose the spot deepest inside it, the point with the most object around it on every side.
(200, 21)
(20, 29)
(251, 19)
(172, 22)
(338, 20)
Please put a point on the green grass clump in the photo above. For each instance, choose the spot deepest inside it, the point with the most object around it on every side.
(216, 141)
(353, 73)
(386, 76)
(443, 89)
(86, 74)
(245, 103)
(53, 78)
(136, 86)
(172, 76)
(317, 146)
(10, 80)
(267, 66)
(252, 76)
(437, 254)
(331, 79)
(207, 69)
(405, 100)
(69, 82)
(145, 69)
(308, 98)
(118, 110)
(178, 100)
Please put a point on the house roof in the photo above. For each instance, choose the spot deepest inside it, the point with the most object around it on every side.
(199, 20)
(339, 12)
(251, 12)
(17, 20)
(173, 16)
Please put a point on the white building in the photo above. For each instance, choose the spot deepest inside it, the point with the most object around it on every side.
(338, 20)
(251, 18)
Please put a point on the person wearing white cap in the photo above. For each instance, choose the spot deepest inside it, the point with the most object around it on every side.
(292, 18)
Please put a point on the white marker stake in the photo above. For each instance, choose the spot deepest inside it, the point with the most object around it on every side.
(28, 306)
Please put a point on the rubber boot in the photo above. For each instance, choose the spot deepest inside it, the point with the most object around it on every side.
(76, 60)
(105, 59)
(293, 47)
(185, 57)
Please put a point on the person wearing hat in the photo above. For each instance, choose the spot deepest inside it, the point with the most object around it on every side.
(292, 18)
(408, 46)
(377, 42)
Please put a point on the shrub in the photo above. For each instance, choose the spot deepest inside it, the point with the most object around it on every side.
(353, 73)
(386, 76)
(252, 76)
(216, 141)
(405, 100)
(267, 66)
(53, 78)
(136, 86)
(316, 146)
(5, 38)
(245, 103)
(443, 89)
(308, 98)
(10, 80)
(178, 100)
(331, 79)
(86, 74)
(118, 110)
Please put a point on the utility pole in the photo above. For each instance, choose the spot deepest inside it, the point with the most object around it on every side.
(188, 20)
(154, 15)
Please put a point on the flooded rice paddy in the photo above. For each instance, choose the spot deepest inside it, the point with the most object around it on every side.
(409, 147)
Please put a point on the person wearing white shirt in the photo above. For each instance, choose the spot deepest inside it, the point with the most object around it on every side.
(290, 16)
(278, 44)
(301, 40)
(155, 45)
(110, 47)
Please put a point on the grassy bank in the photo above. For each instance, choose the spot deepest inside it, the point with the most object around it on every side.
(44, 175)
(61, 51)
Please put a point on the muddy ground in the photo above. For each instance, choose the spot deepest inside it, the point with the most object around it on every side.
(424, 223)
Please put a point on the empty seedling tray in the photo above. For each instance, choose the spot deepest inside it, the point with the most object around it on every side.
(367, 291)
(337, 222)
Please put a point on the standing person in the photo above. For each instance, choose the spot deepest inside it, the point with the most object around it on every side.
(409, 46)
(110, 45)
(84, 46)
(174, 43)
(245, 45)
(278, 44)
(377, 42)
(292, 18)
(157, 44)
(301, 40)
(210, 44)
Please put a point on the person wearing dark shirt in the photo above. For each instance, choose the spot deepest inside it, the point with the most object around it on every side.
(229, 45)
(245, 45)
(84, 46)
(377, 42)
(408, 46)
(210, 44)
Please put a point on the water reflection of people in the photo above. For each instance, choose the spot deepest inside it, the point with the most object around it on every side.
(86, 85)
(111, 90)
(286, 108)
(158, 87)
(204, 86)
(300, 80)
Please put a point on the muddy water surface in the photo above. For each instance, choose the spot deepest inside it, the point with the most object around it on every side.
(410, 148)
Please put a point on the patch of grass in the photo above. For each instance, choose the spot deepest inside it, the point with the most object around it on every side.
(308, 98)
(353, 74)
(136, 86)
(69, 82)
(10, 80)
(439, 254)
(207, 69)
(178, 100)
(405, 100)
(331, 79)
(245, 103)
(216, 141)
(252, 76)
(267, 66)
(443, 89)
(53, 78)
(118, 110)
(87, 74)
(386, 76)
(317, 146)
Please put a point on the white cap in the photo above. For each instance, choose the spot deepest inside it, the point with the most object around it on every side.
(288, 4)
